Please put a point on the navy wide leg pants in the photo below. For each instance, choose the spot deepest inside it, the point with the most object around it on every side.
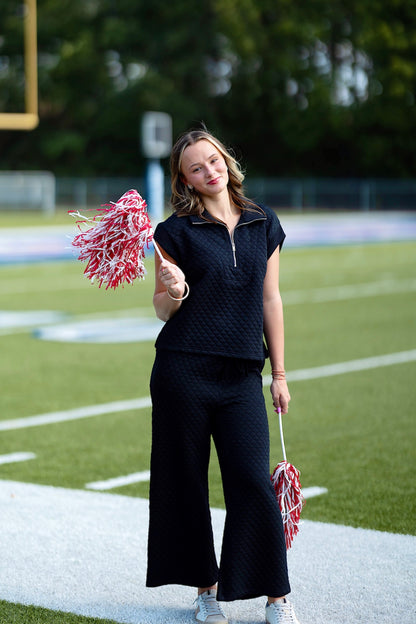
(195, 397)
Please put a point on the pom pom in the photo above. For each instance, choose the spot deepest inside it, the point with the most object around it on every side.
(113, 247)
(286, 483)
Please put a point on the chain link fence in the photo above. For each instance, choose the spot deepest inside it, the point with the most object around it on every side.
(21, 190)
(293, 194)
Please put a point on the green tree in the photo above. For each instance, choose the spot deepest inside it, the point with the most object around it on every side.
(101, 65)
(319, 88)
(324, 88)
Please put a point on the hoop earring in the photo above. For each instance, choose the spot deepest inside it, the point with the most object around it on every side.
(190, 187)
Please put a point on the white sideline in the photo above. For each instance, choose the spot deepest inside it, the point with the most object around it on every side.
(301, 374)
(85, 552)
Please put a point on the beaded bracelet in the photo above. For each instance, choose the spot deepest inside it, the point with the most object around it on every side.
(280, 375)
(180, 298)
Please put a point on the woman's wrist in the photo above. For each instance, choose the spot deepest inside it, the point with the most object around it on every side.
(184, 296)
(279, 374)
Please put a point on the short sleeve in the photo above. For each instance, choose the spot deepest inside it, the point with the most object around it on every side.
(275, 233)
(166, 239)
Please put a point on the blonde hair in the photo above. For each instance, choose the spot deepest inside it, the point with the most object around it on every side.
(186, 201)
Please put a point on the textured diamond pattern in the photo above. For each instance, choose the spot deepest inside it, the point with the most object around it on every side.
(196, 397)
(223, 314)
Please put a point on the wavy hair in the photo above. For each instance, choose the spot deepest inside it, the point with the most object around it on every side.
(186, 201)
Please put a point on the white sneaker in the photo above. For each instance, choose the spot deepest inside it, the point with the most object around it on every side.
(208, 609)
(280, 613)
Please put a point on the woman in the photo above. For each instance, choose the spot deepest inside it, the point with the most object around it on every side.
(218, 291)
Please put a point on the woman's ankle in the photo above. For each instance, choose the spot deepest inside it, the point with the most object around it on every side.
(271, 599)
(202, 590)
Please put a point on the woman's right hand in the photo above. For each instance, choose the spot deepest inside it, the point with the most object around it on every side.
(173, 278)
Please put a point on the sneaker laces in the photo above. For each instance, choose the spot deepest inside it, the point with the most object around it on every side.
(284, 612)
(208, 603)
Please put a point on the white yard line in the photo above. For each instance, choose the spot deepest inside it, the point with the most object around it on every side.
(75, 414)
(314, 490)
(142, 477)
(352, 366)
(303, 374)
(313, 295)
(24, 286)
(348, 291)
(109, 484)
(11, 458)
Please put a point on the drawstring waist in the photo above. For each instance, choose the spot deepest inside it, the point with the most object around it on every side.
(231, 369)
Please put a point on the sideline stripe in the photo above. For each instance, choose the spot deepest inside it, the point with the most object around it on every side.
(10, 458)
(302, 374)
(103, 526)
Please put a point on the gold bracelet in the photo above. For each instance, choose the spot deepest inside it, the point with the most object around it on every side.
(180, 298)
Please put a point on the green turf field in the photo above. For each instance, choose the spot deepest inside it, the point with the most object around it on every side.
(351, 433)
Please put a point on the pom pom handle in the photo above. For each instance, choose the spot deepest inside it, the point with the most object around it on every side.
(159, 253)
(286, 483)
(282, 440)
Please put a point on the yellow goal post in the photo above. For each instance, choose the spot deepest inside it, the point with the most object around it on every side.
(29, 119)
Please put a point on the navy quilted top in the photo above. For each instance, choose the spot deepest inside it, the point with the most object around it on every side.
(223, 314)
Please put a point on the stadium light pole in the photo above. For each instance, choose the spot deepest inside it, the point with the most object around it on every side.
(156, 135)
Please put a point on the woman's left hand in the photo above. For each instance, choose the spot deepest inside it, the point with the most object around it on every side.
(280, 394)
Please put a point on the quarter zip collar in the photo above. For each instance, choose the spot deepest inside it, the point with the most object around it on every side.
(247, 216)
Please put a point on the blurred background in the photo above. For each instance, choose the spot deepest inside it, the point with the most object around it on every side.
(317, 99)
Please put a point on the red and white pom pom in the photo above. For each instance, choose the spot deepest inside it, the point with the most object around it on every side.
(286, 483)
(113, 246)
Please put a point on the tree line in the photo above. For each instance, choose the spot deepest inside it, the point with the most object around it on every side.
(320, 88)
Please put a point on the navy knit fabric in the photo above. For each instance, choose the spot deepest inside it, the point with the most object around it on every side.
(195, 397)
(223, 314)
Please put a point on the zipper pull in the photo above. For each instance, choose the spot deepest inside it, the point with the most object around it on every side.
(233, 248)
